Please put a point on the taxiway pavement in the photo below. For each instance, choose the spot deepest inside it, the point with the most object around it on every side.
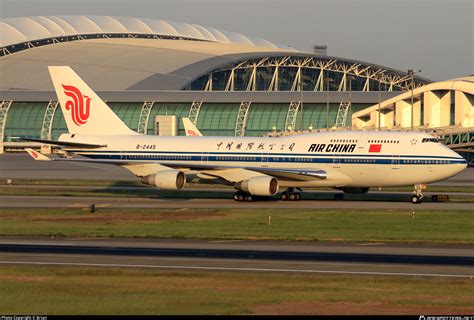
(169, 203)
(429, 260)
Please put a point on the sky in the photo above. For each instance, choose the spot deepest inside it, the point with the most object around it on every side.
(436, 36)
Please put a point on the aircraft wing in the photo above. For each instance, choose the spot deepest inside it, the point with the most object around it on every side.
(293, 174)
(239, 174)
(235, 174)
(229, 173)
(66, 144)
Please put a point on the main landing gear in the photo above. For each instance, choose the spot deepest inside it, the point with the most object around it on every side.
(417, 196)
(290, 195)
(242, 196)
(287, 195)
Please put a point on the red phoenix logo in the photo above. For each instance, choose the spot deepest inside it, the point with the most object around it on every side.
(79, 105)
(192, 133)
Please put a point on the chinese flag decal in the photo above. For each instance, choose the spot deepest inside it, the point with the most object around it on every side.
(375, 148)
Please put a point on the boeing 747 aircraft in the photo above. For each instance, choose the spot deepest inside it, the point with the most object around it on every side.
(351, 161)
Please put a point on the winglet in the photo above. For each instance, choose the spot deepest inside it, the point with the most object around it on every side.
(37, 155)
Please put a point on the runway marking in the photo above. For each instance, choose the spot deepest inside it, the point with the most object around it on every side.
(77, 205)
(369, 244)
(84, 205)
(237, 269)
(224, 241)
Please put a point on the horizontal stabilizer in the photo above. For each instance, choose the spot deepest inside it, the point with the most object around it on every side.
(66, 144)
(37, 155)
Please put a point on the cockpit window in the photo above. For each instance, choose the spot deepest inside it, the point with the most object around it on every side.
(429, 140)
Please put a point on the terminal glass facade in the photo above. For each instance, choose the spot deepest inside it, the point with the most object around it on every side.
(308, 73)
(25, 119)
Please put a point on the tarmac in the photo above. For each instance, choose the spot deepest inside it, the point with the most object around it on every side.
(379, 259)
(169, 203)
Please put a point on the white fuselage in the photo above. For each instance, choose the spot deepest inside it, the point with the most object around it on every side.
(350, 158)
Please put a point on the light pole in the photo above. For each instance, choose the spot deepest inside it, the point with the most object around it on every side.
(412, 72)
(328, 81)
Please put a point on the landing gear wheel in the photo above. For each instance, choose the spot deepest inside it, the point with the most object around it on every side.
(290, 195)
(416, 199)
(239, 196)
(242, 196)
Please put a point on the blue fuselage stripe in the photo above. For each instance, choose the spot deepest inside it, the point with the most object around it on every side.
(254, 154)
(286, 158)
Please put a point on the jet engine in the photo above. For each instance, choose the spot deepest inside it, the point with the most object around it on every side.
(354, 190)
(167, 179)
(259, 186)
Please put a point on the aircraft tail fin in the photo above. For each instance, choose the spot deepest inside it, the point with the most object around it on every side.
(190, 128)
(83, 110)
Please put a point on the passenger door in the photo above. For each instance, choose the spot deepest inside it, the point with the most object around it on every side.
(362, 141)
(336, 161)
(396, 162)
(204, 157)
(264, 160)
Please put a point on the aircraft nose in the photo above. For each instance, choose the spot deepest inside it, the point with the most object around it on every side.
(460, 161)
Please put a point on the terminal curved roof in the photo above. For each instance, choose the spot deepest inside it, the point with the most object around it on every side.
(30, 29)
(117, 54)
(123, 64)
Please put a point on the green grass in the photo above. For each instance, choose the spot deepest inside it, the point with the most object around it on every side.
(70, 192)
(305, 224)
(76, 290)
(141, 192)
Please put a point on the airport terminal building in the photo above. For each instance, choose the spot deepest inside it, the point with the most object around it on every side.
(153, 72)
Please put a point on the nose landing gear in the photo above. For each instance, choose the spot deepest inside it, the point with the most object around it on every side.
(290, 195)
(417, 196)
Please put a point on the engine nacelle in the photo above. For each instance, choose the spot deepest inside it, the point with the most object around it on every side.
(354, 190)
(259, 186)
(167, 179)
